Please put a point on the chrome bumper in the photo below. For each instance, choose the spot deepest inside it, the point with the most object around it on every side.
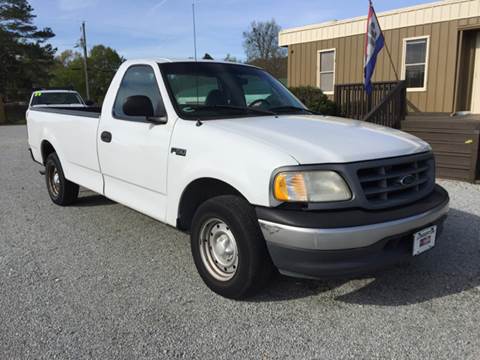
(345, 238)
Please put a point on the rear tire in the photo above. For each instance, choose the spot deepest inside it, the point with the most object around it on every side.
(61, 191)
(228, 247)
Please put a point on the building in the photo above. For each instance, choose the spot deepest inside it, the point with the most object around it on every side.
(434, 47)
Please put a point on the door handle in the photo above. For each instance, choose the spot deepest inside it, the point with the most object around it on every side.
(106, 136)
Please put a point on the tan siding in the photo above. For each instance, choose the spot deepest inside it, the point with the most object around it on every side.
(422, 96)
(434, 31)
(442, 69)
(346, 70)
(340, 65)
(303, 61)
(439, 96)
(450, 71)
(441, 11)
(309, 73)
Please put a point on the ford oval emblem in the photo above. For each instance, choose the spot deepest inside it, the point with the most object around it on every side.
(407, 180)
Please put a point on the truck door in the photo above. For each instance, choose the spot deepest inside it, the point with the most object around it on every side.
(133, 152)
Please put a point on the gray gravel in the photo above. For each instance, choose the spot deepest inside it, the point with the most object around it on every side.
(98, 280)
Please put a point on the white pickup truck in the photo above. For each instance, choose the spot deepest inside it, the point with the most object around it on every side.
(56, 98)
(225, 152)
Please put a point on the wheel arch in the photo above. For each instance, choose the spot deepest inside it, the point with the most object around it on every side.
(46, 148)
(197, 192)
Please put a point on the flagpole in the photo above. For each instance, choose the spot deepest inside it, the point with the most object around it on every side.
(391, 61)
(386, 46)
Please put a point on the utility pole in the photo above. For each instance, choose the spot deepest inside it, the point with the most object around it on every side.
(83, 43)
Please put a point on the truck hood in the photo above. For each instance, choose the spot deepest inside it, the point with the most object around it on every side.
(311, 139)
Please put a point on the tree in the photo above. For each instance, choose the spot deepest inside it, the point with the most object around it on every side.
(103, 62)
(230, 58)
(67, 71)
(278, 67)
(261, 41)
(261, 47)
(25, 55)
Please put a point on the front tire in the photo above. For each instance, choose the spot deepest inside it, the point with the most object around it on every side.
(61, 191)
(228, 247)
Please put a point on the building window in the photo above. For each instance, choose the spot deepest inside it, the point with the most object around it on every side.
(415, 63)
(326, 71)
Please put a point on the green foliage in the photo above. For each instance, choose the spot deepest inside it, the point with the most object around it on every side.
(25, 55)
(103, 62)
(315, 100)
(68, 72)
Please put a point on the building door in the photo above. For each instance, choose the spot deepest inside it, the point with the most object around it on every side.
(476, 79)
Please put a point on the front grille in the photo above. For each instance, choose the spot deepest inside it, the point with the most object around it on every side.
(398, 181)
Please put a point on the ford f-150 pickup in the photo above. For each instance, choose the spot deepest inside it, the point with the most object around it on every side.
(56, 98)
(226, 153)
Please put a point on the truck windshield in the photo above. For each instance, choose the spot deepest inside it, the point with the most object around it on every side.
(55, 98)
(202, 90)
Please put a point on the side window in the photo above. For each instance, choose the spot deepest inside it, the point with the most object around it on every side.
(138, 80)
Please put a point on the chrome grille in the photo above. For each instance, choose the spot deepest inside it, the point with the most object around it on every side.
(397, 182)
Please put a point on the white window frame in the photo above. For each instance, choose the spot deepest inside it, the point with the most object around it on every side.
(427, 58)
(324, 72)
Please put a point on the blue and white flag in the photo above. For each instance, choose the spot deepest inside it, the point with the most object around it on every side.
(374, 43)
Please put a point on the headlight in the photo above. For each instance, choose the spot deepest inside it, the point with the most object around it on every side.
(310, 186)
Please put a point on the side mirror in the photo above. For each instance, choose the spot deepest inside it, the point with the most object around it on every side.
(89, 103)
(140, 105)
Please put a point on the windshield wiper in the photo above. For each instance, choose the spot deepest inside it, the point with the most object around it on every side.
(293, 108)
(232, 107)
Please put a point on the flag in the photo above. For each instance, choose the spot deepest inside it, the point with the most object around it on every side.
(374, 43)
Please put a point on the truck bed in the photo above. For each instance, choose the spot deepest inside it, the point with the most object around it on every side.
(91, 111)
(73, 130)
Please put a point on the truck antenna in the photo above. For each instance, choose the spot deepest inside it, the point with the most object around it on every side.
(194, 30)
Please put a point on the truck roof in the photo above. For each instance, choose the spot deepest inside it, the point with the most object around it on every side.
(56, 91)
(170, 60)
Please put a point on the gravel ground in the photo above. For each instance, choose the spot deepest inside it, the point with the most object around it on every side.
(98, 280)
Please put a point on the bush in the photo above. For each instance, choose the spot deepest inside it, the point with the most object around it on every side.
(315, 100)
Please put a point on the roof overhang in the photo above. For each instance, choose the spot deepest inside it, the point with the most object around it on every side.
(446, 10)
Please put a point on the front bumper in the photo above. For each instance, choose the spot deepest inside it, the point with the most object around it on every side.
(349, 250)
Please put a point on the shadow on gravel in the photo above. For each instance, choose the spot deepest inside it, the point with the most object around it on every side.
(451, 268)
(92, 200)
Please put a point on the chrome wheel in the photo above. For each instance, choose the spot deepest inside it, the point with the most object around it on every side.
(54, 184)
(218, 249)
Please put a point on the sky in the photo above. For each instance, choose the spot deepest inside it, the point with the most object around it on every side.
(163, 28)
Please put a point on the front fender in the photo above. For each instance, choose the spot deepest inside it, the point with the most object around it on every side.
(243, 163)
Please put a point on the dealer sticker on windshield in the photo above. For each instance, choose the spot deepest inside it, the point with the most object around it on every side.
(424, 240)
